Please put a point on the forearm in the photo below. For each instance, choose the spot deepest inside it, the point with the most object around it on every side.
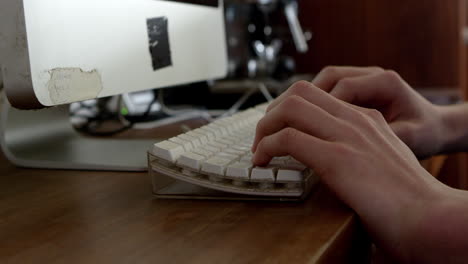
(442, 234)
(455, 128)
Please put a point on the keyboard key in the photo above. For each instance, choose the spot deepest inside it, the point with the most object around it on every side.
(209, 134)
(195, 141)
(244, 144)
(168, 150)
(186, 144)
(215, 165)
(216, 132)
(294, 164)
(222, 149)
(239, 170)
(241, 148)
(263, 174)
(247, 157)
(234, 151)
(202, 137)
(226, 155)
(225, 141)
(202, 152)
(191, 160)
(289, 175)
(211, 148)
(262, 108)
(221, 129)
(277, 161)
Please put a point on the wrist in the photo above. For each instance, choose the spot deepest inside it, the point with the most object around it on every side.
(407, 217)
(454, 128)
(440, 228)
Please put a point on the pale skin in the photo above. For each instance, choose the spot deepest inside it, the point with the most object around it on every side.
(361, 130)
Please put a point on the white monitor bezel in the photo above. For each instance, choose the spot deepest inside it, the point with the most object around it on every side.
(58, 52)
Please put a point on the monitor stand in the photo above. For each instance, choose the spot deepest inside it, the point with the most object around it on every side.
(46, 139)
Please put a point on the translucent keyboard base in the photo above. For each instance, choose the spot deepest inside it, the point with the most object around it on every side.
(171, 181)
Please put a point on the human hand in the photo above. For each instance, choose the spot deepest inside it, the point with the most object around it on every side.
(415, 120)
(356, 154)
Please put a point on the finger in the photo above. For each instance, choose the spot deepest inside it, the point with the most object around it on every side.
(299, 114)
(369, 90)
(330, 76)
(315, 96)
(300, 88)
(307, 149)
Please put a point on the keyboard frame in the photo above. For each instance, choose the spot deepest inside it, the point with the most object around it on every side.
(170, 183)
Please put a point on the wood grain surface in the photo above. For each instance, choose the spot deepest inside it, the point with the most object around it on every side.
(110, 217)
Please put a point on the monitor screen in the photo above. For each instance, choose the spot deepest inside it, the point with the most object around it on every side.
(75, 50)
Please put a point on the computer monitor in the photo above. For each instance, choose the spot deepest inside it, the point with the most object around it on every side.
(54, 52)
(58, 52)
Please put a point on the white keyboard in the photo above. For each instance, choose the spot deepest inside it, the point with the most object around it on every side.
(218, 156)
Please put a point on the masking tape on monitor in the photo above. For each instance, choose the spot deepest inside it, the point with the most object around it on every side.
(159, 46)
(65, 82)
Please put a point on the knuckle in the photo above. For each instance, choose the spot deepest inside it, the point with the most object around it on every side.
(330, 70)
(290, 103)
(362, 124)
(375, 114)
(358, 133)
(288, 112)
(367, 121)
(377, 69)
(300, 88)
(288, 136)
(345, 83)
(392, 76)
(362, 117)
(343, 151)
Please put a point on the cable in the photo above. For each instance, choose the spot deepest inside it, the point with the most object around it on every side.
(189, 112)
(172, 112)
(92, 128)
(150, 105)
(93, 124)
(265, 92)
(122, 119)
(235, 108)
(168, 111)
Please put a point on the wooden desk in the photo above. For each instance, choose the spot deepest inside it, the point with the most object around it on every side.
(108, 217)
